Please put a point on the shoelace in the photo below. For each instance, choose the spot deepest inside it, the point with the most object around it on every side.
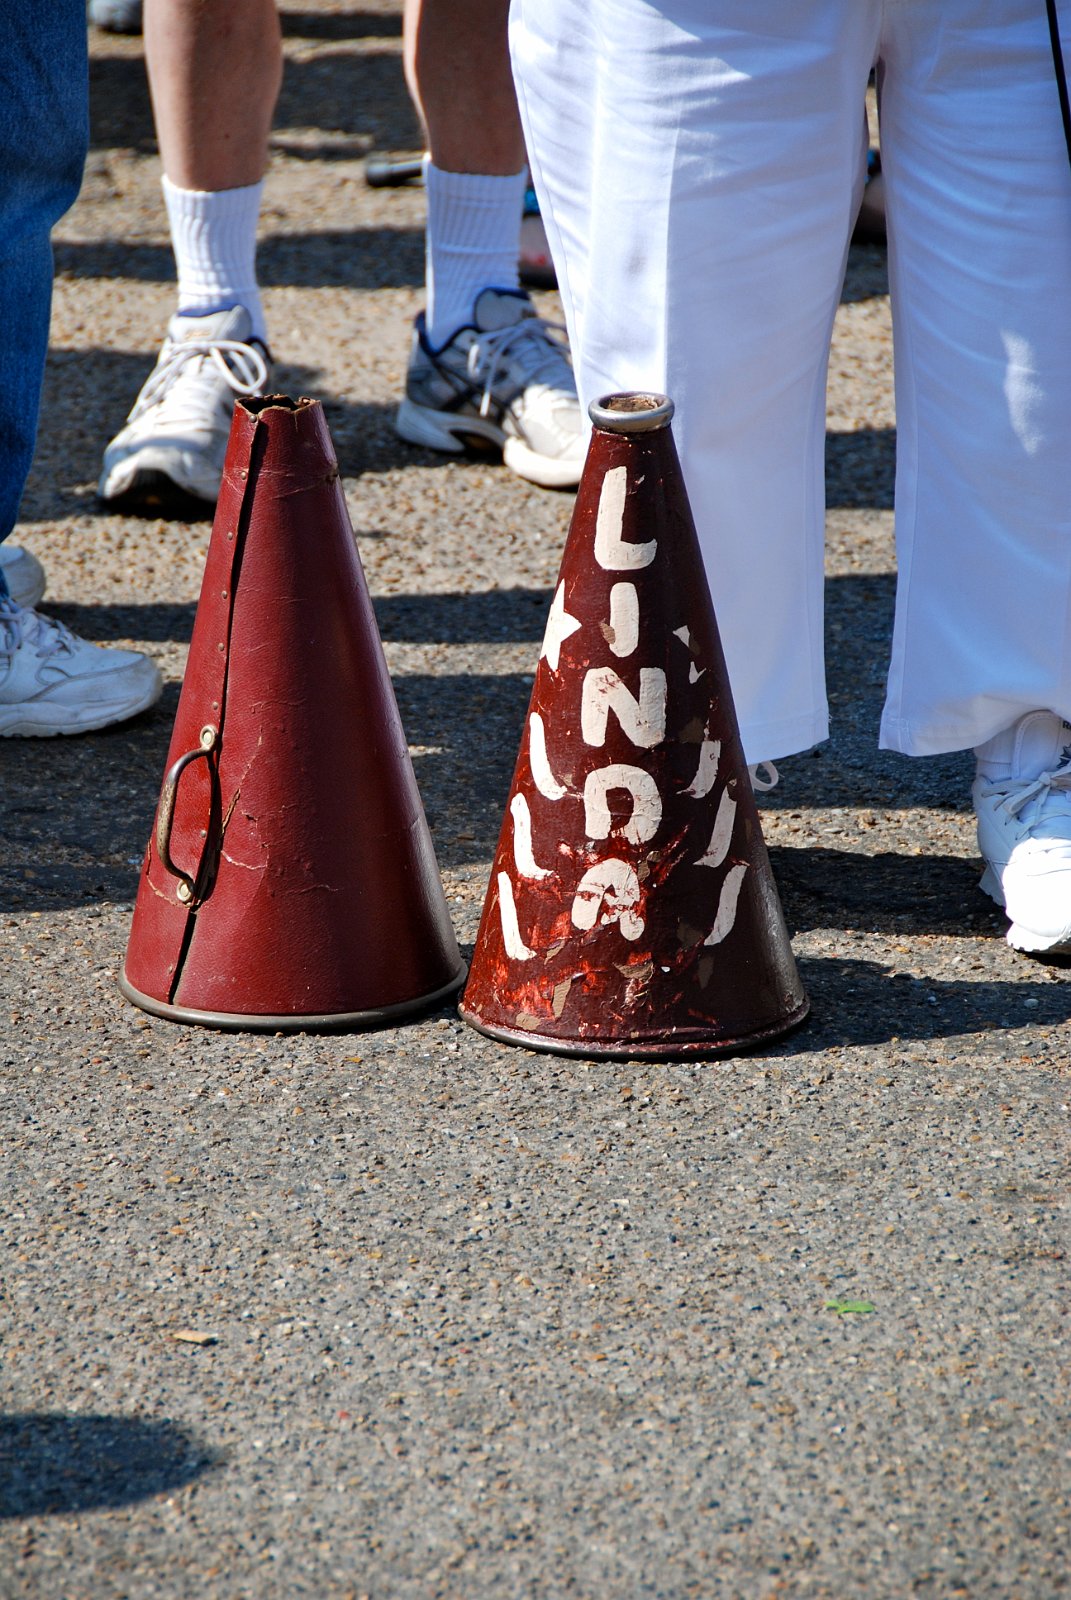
(19, 625)
(241, 366)
(1041, 788)
(532, 343)
(764, 785)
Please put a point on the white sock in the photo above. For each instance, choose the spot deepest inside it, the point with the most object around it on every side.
(214, 237)
(472, 243)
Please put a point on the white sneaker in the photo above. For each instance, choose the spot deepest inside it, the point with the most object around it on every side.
(52, 682)
(1024, 831)
(23, 574)
(507, 380)
(176, 436)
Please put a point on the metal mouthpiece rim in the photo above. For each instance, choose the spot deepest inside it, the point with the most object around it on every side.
(631, 412)
(256, 403)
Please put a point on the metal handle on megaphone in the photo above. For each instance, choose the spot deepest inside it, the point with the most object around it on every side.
(187, 889)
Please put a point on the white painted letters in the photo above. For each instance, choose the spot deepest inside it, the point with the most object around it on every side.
(706, 771)
(643, 721)
(542, 777)
(624, 619)
(646, 803)
(612, 885)
(560, 626)
(730, 894)
(523, 854)
(612, 552)
(516, 948)
(721, 837)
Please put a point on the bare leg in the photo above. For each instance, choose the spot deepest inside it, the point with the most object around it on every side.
(458, 70)
(215, 67)
(459, 74)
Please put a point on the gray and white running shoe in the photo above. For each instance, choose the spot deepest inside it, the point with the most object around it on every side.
(506, 380)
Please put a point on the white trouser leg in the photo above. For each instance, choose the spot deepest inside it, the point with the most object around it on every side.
(699, 179)
(696, 182)
(979, 203)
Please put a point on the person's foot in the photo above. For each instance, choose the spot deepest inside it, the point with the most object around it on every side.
(116, 16)
(176, 436)
(23, 574)
(52, 682)
(504, 380)
(1024, 829)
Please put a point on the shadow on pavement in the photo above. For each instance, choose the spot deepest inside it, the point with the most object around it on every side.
(347, 258)
(861, 469)
(78, 811)
(355, 24)
(51, 1463)
(864, 1002)
(884, 893)
(337, 258)
(478, 616)
(356, 93)
(867, 274)
(88, 394)
(490, 616)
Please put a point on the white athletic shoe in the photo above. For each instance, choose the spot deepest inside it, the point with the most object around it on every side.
(1024, 833)
(505, 380)
(176, 436)
(51, 682)
(23, 574)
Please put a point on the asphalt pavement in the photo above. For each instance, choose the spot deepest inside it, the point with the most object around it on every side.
(410, 1314)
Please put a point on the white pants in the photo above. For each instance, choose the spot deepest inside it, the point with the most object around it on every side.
(699, 165)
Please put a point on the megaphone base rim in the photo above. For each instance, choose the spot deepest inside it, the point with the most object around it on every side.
(643, 1049)
(336, 1022)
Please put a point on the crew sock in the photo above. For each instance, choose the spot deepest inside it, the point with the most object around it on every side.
(214, 237)
(472, 242)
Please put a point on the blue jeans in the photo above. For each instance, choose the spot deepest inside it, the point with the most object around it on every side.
(44, 131)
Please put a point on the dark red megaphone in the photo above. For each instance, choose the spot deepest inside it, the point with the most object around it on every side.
(290, 881)
(631, 909)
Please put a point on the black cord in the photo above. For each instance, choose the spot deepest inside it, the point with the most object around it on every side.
(1061, 74)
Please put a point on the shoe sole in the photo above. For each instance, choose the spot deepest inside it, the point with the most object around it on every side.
(545, 471)
(445, 431)
(452, 434)
(45, 719)
(152, 478)
(1017, 936)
